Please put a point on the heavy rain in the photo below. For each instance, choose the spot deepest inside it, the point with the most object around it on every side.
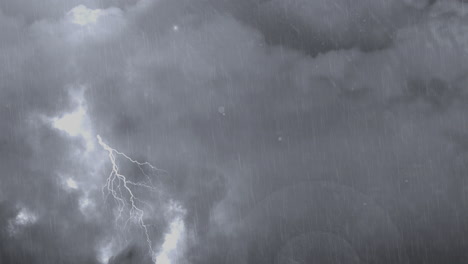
(233, 131)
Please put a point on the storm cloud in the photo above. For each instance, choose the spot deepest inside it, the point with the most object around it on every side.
(285, 131)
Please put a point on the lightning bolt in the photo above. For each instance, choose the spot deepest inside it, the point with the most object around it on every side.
(122, 191)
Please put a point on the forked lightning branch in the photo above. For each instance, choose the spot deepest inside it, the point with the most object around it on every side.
(121, 189)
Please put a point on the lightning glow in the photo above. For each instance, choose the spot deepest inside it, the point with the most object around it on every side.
(121, 189)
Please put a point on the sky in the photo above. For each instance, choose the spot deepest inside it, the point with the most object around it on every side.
(233, 131)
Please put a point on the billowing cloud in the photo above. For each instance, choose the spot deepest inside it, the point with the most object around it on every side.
(285, 131)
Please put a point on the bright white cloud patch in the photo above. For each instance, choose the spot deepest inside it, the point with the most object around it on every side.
(24, 218)
(72, 184)
(173, 246)
(71, 123)
(76, 123)
(81, 15)
(84, 25)
(172, 239)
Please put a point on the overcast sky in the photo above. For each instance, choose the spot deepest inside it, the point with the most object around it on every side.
(243, 131)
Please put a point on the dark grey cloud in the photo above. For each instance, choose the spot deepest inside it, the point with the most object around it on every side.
(131, 255)
(289, 131)
(321, 26)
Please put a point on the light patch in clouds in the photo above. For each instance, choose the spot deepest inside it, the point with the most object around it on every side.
(81, 15)
(87, 206)
(72, 123)
(172, 241)
(24, 218)
(71, 184)
(173, 246)
(76, 123)
(105, 253)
